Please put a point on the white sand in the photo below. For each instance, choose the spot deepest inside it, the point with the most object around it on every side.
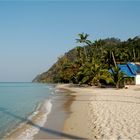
(105, 114)
(115, 115)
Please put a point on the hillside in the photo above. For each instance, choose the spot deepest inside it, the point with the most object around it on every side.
(89, 63)
(51, 75)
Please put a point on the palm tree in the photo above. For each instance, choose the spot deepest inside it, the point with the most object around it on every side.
(118, 77)
(83, 39)
(91, 72)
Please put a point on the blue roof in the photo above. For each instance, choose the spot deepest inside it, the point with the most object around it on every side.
(129, 69)
(132, 67)
(138, 68)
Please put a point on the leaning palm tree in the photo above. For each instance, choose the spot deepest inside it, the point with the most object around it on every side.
(83, 39)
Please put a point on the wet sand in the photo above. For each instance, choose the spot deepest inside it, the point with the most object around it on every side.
(53, 128)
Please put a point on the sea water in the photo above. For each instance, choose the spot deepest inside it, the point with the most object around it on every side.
(19, 101)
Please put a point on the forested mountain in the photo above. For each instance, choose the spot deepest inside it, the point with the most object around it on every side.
(89, 63)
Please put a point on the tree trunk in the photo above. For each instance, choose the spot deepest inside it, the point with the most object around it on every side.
(134, 54)
(85, 52)
(114, 60)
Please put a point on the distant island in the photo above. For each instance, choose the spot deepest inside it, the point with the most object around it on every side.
(90, 62)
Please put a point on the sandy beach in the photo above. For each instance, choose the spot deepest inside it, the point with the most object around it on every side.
(104, 114)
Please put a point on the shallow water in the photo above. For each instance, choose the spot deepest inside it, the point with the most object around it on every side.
(18, 101)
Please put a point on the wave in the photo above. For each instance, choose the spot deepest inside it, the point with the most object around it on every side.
(32, 124)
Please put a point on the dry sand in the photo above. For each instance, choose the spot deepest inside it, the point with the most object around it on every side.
(104, 114)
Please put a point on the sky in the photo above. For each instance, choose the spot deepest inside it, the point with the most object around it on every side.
(35, 33)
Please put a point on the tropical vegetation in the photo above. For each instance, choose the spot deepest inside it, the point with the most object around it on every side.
(89, 63)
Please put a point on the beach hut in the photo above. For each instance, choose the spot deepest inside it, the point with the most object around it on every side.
(131, 70)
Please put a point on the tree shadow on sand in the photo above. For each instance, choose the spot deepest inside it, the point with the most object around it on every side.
(49, 131)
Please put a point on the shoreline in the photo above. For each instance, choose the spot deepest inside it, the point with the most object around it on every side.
(31, 125)
(92, 113)
(62, 101)
(46, 126)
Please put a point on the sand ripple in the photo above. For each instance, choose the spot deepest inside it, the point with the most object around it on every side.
(114, 117)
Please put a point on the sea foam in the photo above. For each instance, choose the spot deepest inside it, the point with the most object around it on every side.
(34, 122)
(24, 108)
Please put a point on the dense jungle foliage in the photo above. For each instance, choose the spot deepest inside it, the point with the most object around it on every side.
(89, 63)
